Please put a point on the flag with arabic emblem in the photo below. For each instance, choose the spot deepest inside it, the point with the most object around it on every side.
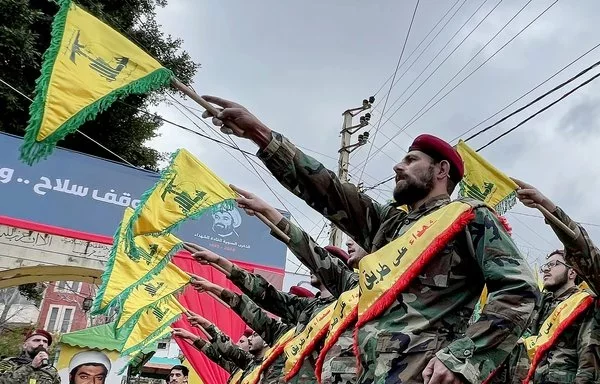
(152, 321)
(169, 282)
(86, 68)
(483, 181)
(125, 270)
(187, 189)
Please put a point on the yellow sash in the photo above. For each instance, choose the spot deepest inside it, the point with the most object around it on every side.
(235, 378)
(273, 353)
(560, 319)
(303, 344)
(386, 273)
(344, 314)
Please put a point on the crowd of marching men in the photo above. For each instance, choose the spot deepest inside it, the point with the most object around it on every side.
(402, 305)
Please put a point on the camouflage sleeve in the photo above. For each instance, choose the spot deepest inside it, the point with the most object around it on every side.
(285, 305)
(18, 375)
(581, 252)
(513, 294)
(353, 212)
(257, 319)
(588, 348)
(332, 272)
(227, 349)
(213, 354)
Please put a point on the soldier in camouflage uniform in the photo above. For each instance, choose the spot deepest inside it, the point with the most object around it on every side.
(270, 329)
(212, 352)
(424, 335)
(574, 357)
(221, 349)
(31, 366)
(339, 365)
(291, 308)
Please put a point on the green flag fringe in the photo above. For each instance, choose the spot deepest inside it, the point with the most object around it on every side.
(165, 174)
(152, 335)
(128, 325)
(32, 150)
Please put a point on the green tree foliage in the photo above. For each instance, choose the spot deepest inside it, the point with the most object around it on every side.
(24, 37)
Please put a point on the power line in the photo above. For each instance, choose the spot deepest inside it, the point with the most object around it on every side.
(392, 84)
(380, 149)
(540, 111)
(542, 217)
(416, 118)
(422, 41)
(523, 95)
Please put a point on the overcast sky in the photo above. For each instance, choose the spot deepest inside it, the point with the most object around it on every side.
(299, 65)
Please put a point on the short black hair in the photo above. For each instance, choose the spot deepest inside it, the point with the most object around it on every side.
(181, 368)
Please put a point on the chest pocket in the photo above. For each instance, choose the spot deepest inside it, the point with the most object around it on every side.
(438, 271)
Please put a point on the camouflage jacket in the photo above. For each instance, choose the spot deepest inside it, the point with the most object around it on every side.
(18, 370)
(430, 319)
(269, 329)
(339, 365)
(213, 354)
(291, 308)
(228, 349)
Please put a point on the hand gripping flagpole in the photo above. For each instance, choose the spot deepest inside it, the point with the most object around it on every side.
(214, 111)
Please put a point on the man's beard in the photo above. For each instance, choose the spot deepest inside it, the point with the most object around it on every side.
(411, 189)
(560, 282)
(33, 352)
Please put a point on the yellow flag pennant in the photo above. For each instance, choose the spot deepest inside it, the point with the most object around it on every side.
(170, 281)
(186, 190)
(87, 67)
(483, 181)
(141, 354)
(125, 270)
(153, 320)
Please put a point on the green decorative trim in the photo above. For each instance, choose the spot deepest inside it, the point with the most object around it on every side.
(135, 316)
(32, 150)
(165, 174)
(152, 335)
(507, 203)
(97, 307)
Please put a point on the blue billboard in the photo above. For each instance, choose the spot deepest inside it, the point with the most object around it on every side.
(87, 194)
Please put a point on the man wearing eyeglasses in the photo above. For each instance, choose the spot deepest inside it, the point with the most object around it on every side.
(563, 344)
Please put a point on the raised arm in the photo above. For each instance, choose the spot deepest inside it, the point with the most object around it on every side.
(512, 296)
(353, 212)
(205, 347)
(330, 270)
(581, 253)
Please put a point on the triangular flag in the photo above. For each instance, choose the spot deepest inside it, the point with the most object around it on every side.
(126, 270)
(87, 67)
(170, 281)
(483, 181)
(186, 189)
(144, 351)
(152, 321)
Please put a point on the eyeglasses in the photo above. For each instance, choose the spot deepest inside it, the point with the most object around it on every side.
(551, 264)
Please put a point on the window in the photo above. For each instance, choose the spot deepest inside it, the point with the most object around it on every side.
(60, 318)
(68, 286)
(162, 346)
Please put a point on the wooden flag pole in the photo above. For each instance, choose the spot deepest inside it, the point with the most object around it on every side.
(214, 111)
(556, 221)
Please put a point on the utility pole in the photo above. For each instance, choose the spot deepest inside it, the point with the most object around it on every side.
(346, 149)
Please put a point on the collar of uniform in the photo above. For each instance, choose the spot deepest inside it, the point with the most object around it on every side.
(565, 295)
(432, 203)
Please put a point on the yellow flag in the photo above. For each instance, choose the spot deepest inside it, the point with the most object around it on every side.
(186, 189)
(87, 67)
(138, 356)
(170, 281)
(153, 320)
(125, 270)
(483, 181)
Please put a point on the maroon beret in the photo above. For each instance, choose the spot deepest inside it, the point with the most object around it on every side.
(440, 150)
(248, 332)
(39, 332)
(338, 252)
(302, 292)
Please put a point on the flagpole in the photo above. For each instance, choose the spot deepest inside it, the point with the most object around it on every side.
(214, 111)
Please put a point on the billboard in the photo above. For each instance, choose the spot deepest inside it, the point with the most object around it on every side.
(83, 193)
